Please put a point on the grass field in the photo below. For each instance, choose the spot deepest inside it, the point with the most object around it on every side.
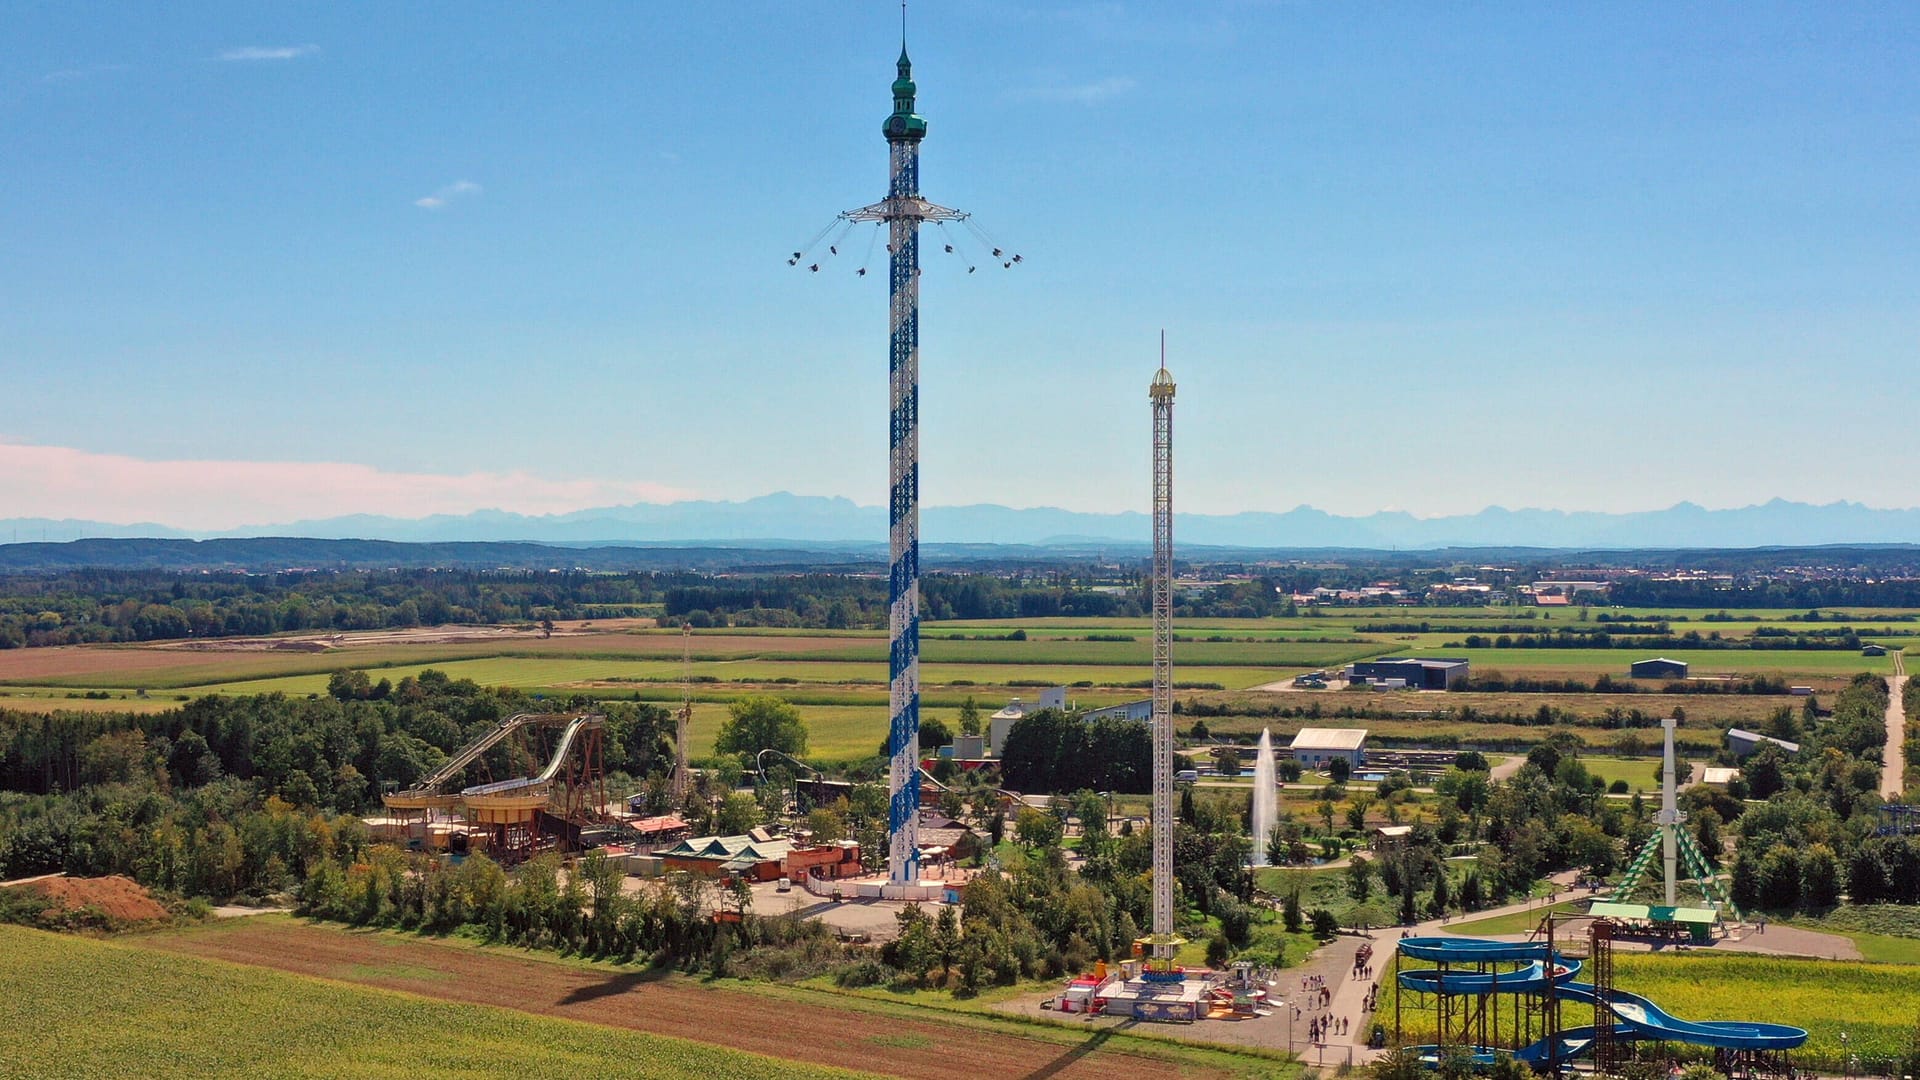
(1637, 772)
(1589, 662)
(838, 677)
(897, 1035)
(535, 673)
(1519, 922)
(59, 701)
(81, 1008)
(1886, 933)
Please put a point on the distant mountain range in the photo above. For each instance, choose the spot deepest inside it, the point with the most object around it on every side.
(811, 523)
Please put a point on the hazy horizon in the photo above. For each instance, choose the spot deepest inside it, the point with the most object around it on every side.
(275, 264)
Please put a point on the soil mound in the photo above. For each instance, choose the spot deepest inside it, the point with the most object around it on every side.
(116, 897)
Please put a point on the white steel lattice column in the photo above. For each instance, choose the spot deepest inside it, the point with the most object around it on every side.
(1162, 945)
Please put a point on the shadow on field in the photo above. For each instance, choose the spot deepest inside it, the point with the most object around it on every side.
(618, 984)
(1060, 1064)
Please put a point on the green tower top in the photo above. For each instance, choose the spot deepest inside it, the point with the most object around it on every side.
(902, 123)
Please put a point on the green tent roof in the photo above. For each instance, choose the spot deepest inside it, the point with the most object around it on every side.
(1604, 909)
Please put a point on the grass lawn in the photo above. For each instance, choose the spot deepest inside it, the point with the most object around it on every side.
(1885, 933)
(1637, 772)
(32, 700)
(1519, 922)
(83, 1008)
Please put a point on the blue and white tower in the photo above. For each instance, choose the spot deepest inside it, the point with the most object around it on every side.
(903, 211)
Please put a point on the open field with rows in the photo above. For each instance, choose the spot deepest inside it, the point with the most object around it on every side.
(801, 1026)
(77, 1007)
(838, 677)
(1590, 662)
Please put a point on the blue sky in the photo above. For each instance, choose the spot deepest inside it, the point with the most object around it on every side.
(1416, 256)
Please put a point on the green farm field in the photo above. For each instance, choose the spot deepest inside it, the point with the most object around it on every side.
(1589, 662)
(84, 1008)
(1637, 772)
(838, 677)
(566, 674)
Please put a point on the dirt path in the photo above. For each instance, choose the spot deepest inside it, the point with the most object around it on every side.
(1893, 775)
(663, 1005)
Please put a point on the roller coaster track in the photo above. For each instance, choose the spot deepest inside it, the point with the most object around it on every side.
(492, 737)
(546, 775)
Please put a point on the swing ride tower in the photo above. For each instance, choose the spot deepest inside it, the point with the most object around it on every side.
(900, 216)
(902, 212)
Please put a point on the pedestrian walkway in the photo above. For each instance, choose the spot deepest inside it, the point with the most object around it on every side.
(1351, 998)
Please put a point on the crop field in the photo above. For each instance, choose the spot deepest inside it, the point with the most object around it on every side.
(1589, 662)
(71, 701)
(838, 677)
(155, 1014)
(1877, 1006)
(783, 1021)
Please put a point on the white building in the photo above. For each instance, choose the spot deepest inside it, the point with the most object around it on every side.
(1002, 722)
(1314, 747)
(1743, 743)
(1140, 711)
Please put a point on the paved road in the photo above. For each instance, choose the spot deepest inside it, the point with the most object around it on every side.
(1506, 769)
(1894, 772)
(1352, 993)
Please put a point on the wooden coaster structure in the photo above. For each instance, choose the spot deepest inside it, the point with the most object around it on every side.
(540, 807)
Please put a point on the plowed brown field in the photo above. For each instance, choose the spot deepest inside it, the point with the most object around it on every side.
(766, 1024)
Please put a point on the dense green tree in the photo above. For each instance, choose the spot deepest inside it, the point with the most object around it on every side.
(754, 724)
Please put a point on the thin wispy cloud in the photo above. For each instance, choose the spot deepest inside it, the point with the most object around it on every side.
(459, 189)
(1087, 93)
(269, 52)
(75, 74)
(63, 482)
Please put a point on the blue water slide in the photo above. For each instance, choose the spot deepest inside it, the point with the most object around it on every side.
(1638, 1018)
(1531, 979)
(1635, 1017)
(1454, 950)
